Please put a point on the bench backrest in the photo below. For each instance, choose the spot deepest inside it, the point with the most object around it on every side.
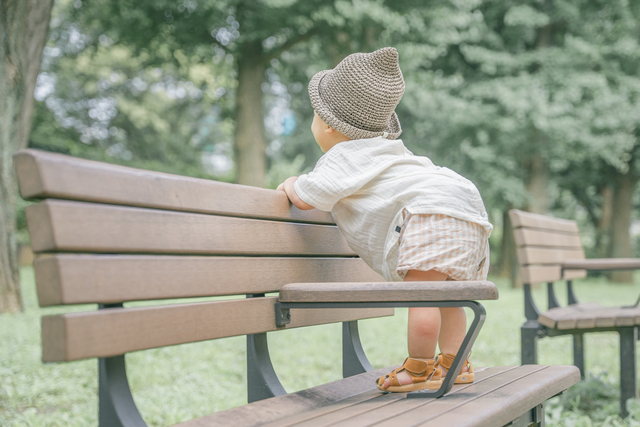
(543, 244)
(110, 234)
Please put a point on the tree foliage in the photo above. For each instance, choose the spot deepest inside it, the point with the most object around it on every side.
(536, 101)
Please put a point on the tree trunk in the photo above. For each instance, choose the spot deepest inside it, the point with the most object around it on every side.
(621, 222)
(249, 136)
(603, 230)
(23, 33)
(537, 184)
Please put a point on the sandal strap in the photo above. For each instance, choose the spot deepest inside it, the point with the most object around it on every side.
(418, 370)
(446, 360)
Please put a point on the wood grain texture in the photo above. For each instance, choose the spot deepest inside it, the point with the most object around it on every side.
(115, 331)
(533, 274)
(566, 317)
(83, 278)
(587, 316)
(602, 264)
(56, 225)
(388, 291)
(542, 222)
(42, 175)
(502, 391)
(552, 239)
(295, 408)
(279, 408)
(392, 409)
(508, 399)
(534, 255)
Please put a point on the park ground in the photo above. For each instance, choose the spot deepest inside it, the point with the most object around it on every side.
(179, 383)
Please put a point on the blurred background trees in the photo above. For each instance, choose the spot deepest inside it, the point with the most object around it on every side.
(536, 101)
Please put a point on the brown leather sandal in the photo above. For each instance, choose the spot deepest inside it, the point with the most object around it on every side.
(424, 375)
(446, 360)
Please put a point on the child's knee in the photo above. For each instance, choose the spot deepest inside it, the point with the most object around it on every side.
(424, 322)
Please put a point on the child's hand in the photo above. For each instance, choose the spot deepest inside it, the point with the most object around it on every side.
(289, 190)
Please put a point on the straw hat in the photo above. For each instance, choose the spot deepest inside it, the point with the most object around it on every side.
(358, 98)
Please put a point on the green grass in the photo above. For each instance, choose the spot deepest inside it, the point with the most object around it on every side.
(179, 383)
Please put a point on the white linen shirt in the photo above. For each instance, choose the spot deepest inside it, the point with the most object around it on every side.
(367, 183)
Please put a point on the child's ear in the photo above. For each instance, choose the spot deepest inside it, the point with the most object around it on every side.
(329, 130)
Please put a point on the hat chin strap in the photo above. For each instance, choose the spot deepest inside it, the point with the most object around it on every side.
(385, 134)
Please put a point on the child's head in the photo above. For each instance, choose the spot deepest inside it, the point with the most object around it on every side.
(358, 97)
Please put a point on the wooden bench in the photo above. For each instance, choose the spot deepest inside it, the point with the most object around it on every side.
(109, 235)
(549, 249)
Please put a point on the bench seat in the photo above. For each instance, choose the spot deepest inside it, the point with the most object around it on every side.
(498, 397)
(589, 315)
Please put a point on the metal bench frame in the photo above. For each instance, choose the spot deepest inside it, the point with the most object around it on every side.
(118, 409)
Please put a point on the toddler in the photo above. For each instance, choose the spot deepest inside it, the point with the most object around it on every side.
(405, 217)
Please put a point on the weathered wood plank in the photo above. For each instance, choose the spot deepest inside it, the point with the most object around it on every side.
(533, 274)
(277, 408)
(57, 225)
(536, 255)
(83, 278)
(388, 291)
(602, 263)
(396, 411)
(115, 331)
(508, 400)
(359, 414)
(42, 175)
(543, 222)
(427, 410)
(566, 317)
(551, 239)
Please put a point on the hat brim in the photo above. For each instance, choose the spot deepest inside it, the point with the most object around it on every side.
(392, 130)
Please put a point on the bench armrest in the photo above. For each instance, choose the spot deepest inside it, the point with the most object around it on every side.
(602, 264)
(389, 291)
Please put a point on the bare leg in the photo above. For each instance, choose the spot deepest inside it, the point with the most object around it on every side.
(452, 331)
(423, 325)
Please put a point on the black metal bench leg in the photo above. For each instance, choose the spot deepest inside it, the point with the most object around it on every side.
(354, 361)
(628, 386)
(529, 333)
(115, 402)
(262, 380)
(578, 353)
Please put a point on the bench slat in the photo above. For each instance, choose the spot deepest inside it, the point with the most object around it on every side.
(543, 222)
(532, 237)
(393, 409)
(534, 255)
(388, 291)
(274, 410)
(56, 225)
(432, 409)
(509, 400)
(42, 174)
(565, 317)
(532, 274)
(83, 278)
(115, 331)
(294, 408)
(586, 316)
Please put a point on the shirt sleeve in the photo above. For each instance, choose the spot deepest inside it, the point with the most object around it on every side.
(317, 190)
(335, 176)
